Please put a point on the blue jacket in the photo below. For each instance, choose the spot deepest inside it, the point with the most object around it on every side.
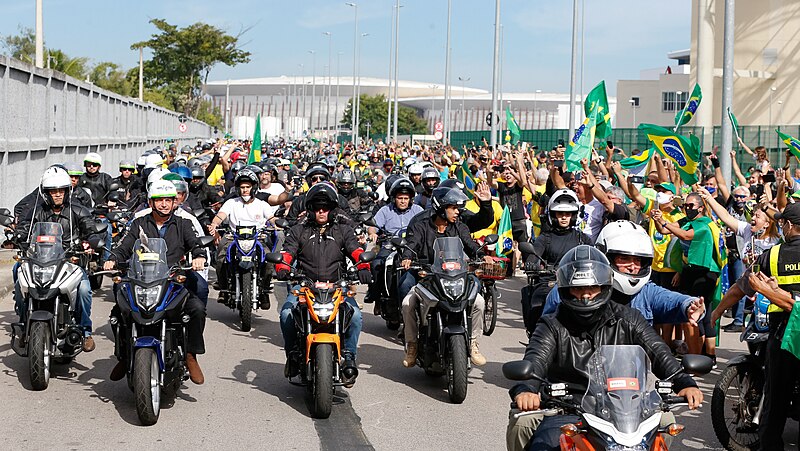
(658, 305)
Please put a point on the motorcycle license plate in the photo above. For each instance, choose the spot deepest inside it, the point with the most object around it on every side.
(247, 258)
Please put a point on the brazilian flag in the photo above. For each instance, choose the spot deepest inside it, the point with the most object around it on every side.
(505, 243)
(637, 160)
(597, 98)
(464, 175)
(688, 111)
(255, 148)
(792, 142)
(683, 151)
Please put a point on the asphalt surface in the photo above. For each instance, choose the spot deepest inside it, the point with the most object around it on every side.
(247, 402)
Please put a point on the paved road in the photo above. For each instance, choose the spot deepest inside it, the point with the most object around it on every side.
(247, 402)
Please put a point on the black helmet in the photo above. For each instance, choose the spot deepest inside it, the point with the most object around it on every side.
(321, 194)
(430, 179)
(246, 175)
(198, 172)
(387, 184)
(402, 185)
(584, 266)
(316, 170)
(255, 168)
(453, 183)
(345, 181)
(443, 197)
(238, 166)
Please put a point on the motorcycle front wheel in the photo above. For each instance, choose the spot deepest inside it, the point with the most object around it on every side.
(457, 367)
(39, 355)
(734, 405)
(146, 389)
(246, 304)
(322, 385)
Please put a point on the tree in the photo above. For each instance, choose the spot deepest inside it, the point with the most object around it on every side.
(183, 59)
(373, 110)
(74, 67)
(21, 46)
(108, 75)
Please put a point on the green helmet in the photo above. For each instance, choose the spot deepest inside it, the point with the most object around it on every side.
(93, 157)
(161, 189)
(74, 169)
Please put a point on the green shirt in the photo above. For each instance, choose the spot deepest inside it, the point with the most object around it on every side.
(701, 248)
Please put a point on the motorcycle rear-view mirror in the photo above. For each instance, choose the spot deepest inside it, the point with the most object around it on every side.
(519, 370)
(113, 196)
(274, 257)
(113, 187)
(95, 242)
(398, 242)
(282, 223)
(366, 256)
(526, 248)
(5, 212)
(491, 239)
(697, 364)
(206, 241)
(99, 227)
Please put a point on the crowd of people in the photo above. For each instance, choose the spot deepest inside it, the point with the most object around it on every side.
(628, 259)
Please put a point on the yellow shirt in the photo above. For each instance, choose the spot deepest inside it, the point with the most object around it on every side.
(216, 175)
(535, 209)
(474, 207)
(660, 242)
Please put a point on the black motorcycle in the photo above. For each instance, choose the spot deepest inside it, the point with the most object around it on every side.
(534, 295)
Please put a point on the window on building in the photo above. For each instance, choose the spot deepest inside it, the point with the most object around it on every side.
(672, 101)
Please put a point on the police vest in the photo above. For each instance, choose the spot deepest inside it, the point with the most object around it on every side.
(786, 270)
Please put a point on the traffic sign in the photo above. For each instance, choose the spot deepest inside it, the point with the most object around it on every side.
(438, 127)
(489, 118)
(437, 135)
(182, 118)
(183, 127)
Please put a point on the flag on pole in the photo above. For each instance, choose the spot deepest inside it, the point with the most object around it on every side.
(597, 96)
(464, 175)
(255, 148)
(505, 243)
(792, 142)
(685, 152)
(637, 160)
(511, 125)
(734, 122)
(581, 145)
(687, 113)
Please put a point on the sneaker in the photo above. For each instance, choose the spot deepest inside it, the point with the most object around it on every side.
(88, 344)
(732, 327)
(475, 354)
(411, 355)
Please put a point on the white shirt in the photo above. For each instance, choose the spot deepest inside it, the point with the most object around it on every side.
(758, 245)
(254, 213)
(273, 189)
(591, 222)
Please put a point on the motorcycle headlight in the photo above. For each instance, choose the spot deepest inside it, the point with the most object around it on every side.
(626, 448)
(323, 311)
(44, 274)
(147, 298)
(246, 245)
(453, 288)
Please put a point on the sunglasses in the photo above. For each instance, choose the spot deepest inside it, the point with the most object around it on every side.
(126, 170)
(690, 207)
(94, 165)
(740, 196)
(318, 178)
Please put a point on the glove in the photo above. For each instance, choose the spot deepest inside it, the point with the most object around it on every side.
(364, 276)
(282, 274)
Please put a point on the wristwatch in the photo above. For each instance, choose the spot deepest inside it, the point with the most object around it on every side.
(664, 224)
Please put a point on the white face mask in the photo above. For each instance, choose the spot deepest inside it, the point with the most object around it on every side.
(664, 198)
(246, 199)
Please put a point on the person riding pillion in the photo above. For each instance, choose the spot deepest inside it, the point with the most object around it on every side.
(318, 246)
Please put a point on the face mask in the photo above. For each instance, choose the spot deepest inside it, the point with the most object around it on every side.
(664, 198)
(739, 204)
(246, 199)
(691, 214)
(711, 189)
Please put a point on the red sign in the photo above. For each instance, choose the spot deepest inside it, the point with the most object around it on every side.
(183, 127)
(438, 127)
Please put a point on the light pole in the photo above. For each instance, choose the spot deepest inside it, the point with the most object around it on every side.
(572, 68)
(328, 111)
(354, 135)
(447, 79)
(678, 100)
(227, 105)
(771, 92)
(313, 86)
(463, 81)
(633, 108)
(495, 76)
(303, 89)
(39, 56)
(396, 63)
(336, 112)
(433, 105)
(389, 78)
(368, 125)
(535, 99)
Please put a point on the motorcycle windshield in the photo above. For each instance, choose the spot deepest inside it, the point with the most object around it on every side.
(448, 257)
(149, 260)
(621, 387)
(46, 245)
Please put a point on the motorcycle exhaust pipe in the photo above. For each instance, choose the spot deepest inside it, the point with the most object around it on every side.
(74, 338)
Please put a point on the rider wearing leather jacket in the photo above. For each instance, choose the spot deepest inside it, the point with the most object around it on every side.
(316, 173)
(99, 183)
(429, 180)
(317, 247)
(357, 199)
(562, 344)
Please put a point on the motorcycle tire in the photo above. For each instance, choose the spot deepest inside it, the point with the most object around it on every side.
(322, 384)
(489, 310)
(39, 354)
(246, 304)
(457, 367)
(146, 389)
(732, 380)
(96, 282)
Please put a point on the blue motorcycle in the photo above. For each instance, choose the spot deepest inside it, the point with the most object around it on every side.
(245, 260)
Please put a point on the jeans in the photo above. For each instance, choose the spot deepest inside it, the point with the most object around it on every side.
(780, 374)
(549, 432)
(407, 281)
(109, 239)
(736, 271)
(377, 266)
(196, 284)
(83, 300)
(289, 330)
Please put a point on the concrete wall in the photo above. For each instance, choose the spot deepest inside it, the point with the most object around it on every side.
(47, 117)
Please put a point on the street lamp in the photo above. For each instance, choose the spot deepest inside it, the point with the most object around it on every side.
(771, 92)
(354, 136)
(368, 125)
(535, 99)
(313, 86)
(336, 112)
(433, 95)
(358, 84)
(678, 100)
(396, 65)
(633, 108)
(463, 81)
(328, 112)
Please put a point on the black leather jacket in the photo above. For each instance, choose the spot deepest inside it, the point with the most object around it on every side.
(560, 348)
(321, 255)
(76, 228)
(98, 184)
(422, 234)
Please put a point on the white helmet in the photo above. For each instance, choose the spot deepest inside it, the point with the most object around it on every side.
(627, 238)
(162, 188)
(153, 161)
(55, 177)
(93, 157)
(563, 200)
(415, 169)
(409, 161)
(156, 175)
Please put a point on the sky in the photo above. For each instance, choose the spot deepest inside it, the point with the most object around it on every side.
(621, 37)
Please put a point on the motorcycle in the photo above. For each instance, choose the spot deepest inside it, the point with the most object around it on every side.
(151, 298)
(93, 263)
(245, 257)
(447, 292)
(321, 317)
(48, 277)
(623, 406)
(534, 294)
(739, 394)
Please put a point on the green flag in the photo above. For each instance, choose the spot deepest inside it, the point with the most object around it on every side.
(464, 175)
(634, 161)
(683, 151)
(581, 145)
(687, 113)
(505, 244)
(597, 96)
(792, 142)
(255, 148)
(734, 122)
(512, 126)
